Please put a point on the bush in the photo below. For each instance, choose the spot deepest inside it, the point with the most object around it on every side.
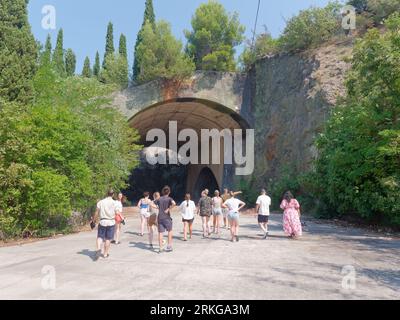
(311, 28)
(358, 169)
(382, 9)
(61, 153)
(264, 45)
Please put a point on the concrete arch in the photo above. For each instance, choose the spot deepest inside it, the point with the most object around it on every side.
(208, 100)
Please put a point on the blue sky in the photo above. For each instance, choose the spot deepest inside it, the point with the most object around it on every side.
(85, 21)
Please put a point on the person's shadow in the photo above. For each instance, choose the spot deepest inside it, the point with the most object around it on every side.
(141, 246)
(88, 253)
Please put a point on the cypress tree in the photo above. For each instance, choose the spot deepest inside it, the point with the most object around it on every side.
(96, 66)
(58, 55)
(45, 58)
(87, 71)
(109, 43)
(18, 52)
(149, 17)
(122, 46)
(70, 63)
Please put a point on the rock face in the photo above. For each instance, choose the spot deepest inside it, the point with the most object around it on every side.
(287, 99)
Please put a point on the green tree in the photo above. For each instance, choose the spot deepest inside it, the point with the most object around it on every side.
(96, 66)
(311, 27)
(116, 71)
(358, 169)
(149, 17)
(215, 34)
(58, 60)
(381, 9)
(86, 71)
(264, 45)
(18, 52)
(160, 55)
(70, 63)
(45, 58)
(110, 49)
(122, 46)
(61, 153)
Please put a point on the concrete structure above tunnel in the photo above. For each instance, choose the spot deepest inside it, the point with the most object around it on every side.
(208, 100)
(220, 90)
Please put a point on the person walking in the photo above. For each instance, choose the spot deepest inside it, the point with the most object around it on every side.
(165, 204)
(105, 211)
(225, 211)
(291, 216)
(205, 212)
(262, 208)
(144, 206)
(119, 219)
(188, 210)
(217, 212)
(152, 221)
(234, 205)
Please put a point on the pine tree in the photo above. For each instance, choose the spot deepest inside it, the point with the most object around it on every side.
(70, 63)
(45, 58)
(149, 17)
(122, 46)
(58, 55)
(18, 52)
(87, 71)
(109, 43)
(96, 66)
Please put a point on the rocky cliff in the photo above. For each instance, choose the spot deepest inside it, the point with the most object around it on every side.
(287, 99)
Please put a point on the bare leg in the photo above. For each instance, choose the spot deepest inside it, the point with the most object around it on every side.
(262, 226)
(204, 223)
(107, 248)
(151, 235)
(208, 225)
(143, 222)
(232, 231)
(191, 230)
(214, 223)
(170, 239)
(185, 225)
(117, 232)
(160, 240)
(218, 218)
(99, 243)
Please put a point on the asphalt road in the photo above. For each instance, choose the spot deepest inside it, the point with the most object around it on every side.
(329, 262)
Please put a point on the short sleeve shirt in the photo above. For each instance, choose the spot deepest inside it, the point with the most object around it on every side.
(163, 204)
(264, 202)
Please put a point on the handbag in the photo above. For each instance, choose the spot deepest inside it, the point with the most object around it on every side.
(118, 218)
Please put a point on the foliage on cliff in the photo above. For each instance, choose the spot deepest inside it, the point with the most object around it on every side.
(358, 169)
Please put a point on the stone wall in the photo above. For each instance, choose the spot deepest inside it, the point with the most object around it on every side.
(288, 99)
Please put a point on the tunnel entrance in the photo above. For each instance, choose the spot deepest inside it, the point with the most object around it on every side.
(188, 113)
(206, 180)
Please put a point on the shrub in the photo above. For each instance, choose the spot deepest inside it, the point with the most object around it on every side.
(311, 27)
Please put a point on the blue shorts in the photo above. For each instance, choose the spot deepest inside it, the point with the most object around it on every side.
(164, 225)
(106, 233)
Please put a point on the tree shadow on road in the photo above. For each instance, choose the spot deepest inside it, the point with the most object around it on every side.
(88, 253)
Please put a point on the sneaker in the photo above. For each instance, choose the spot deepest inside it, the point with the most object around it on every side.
(106, 257)
(151, 247)
(114, 242)
(266, 235)
(237, 238)
(169, 249)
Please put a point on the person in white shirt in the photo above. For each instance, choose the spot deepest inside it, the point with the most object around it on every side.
(119, 219)
(234, 206)
(105, 211)
(262, 208)
(188, 211)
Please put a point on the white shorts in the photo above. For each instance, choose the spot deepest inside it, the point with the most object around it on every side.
(145, 213)
(217, 212)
